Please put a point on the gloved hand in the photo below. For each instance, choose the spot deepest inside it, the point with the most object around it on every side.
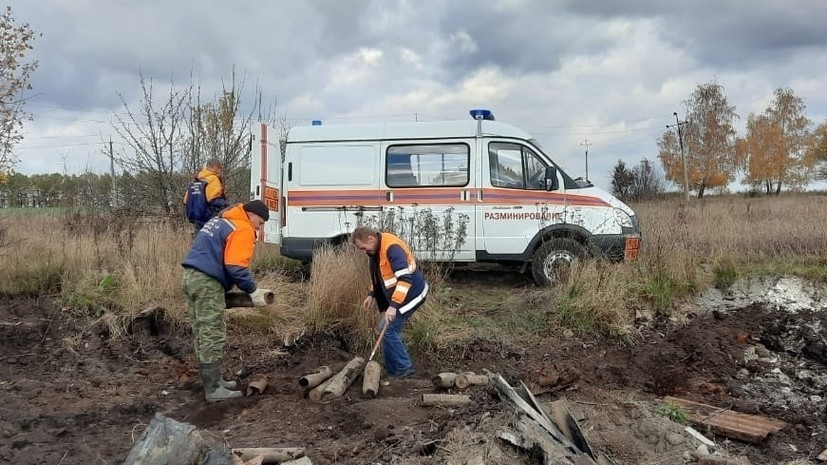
(259, 296)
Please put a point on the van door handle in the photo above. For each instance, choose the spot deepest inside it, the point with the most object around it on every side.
(389, 196)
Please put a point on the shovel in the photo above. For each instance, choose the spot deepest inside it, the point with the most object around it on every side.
(378, 341)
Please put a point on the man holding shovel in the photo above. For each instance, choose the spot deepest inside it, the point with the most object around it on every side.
(218, 259)
(398, 288)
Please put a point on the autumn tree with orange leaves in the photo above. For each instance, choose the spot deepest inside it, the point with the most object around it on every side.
(774, 152)
(761, 152)
(708, 140)
(817, 149)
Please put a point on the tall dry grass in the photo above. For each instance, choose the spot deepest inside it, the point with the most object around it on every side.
(339, 283)
(98, 263)
(101, 265)
(748, 230)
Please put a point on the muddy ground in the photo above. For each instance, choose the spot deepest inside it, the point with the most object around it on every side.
(71, 393)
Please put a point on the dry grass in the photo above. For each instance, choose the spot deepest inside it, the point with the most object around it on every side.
(748, 230)
(105, 269)
(112, 266)
(282, 319)
(339, 283)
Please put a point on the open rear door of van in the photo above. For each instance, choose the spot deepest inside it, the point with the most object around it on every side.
(265, 178)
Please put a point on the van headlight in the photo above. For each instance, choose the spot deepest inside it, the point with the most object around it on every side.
(624, 219)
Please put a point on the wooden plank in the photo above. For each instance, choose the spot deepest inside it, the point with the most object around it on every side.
(728, 417)
(742, 426)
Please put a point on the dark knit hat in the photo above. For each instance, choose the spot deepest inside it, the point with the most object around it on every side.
(258, 207)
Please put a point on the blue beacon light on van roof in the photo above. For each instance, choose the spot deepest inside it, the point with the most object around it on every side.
(480, 113)
(317, 122)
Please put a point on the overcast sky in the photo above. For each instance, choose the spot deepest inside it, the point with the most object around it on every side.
(607, 73)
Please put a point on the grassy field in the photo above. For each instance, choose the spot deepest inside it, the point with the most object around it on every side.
(111, 267)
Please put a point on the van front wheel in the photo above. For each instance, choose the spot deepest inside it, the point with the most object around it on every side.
(554, 258)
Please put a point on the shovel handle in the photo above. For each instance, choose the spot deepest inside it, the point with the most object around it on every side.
(378, 341)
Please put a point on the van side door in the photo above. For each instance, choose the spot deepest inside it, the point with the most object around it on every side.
(428, 196)
(516, 202)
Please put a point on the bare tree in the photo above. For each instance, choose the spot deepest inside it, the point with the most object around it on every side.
(155, 137)
(218, 129)
(15, 72)
(646, 182)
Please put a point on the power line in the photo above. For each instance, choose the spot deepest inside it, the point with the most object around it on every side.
(59, 146)
(60, 137)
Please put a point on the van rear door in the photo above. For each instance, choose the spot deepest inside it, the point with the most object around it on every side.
(265, 178)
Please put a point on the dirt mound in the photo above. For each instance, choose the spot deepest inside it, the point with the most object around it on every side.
(74, 394)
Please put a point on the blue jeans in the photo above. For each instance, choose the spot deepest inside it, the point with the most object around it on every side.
(394, 352)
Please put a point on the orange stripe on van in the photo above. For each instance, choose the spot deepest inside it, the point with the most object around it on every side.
(325, 198)
(511, 197)
(436, 196)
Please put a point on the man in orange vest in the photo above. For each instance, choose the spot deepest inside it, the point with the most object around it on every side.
(398, 289)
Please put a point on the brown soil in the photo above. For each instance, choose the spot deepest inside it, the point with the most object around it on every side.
(74, 394)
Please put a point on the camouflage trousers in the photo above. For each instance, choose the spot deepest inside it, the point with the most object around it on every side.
(205, 301)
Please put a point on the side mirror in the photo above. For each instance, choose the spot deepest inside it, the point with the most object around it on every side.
(551, 178)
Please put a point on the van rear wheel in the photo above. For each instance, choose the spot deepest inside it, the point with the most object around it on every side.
(553, 259)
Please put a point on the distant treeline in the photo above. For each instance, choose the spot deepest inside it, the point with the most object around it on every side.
(137, 193)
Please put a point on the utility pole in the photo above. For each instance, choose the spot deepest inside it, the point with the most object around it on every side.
(112, 173)
(678, 124)
(587, 144)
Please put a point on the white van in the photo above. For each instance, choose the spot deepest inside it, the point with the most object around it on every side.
(466, 191)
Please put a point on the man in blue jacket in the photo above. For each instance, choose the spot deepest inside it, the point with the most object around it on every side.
(218, 260)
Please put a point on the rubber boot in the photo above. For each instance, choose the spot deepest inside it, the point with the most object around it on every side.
(227, 384)
(211, 378)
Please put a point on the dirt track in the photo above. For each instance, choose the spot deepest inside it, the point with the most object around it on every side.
(71, 394)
